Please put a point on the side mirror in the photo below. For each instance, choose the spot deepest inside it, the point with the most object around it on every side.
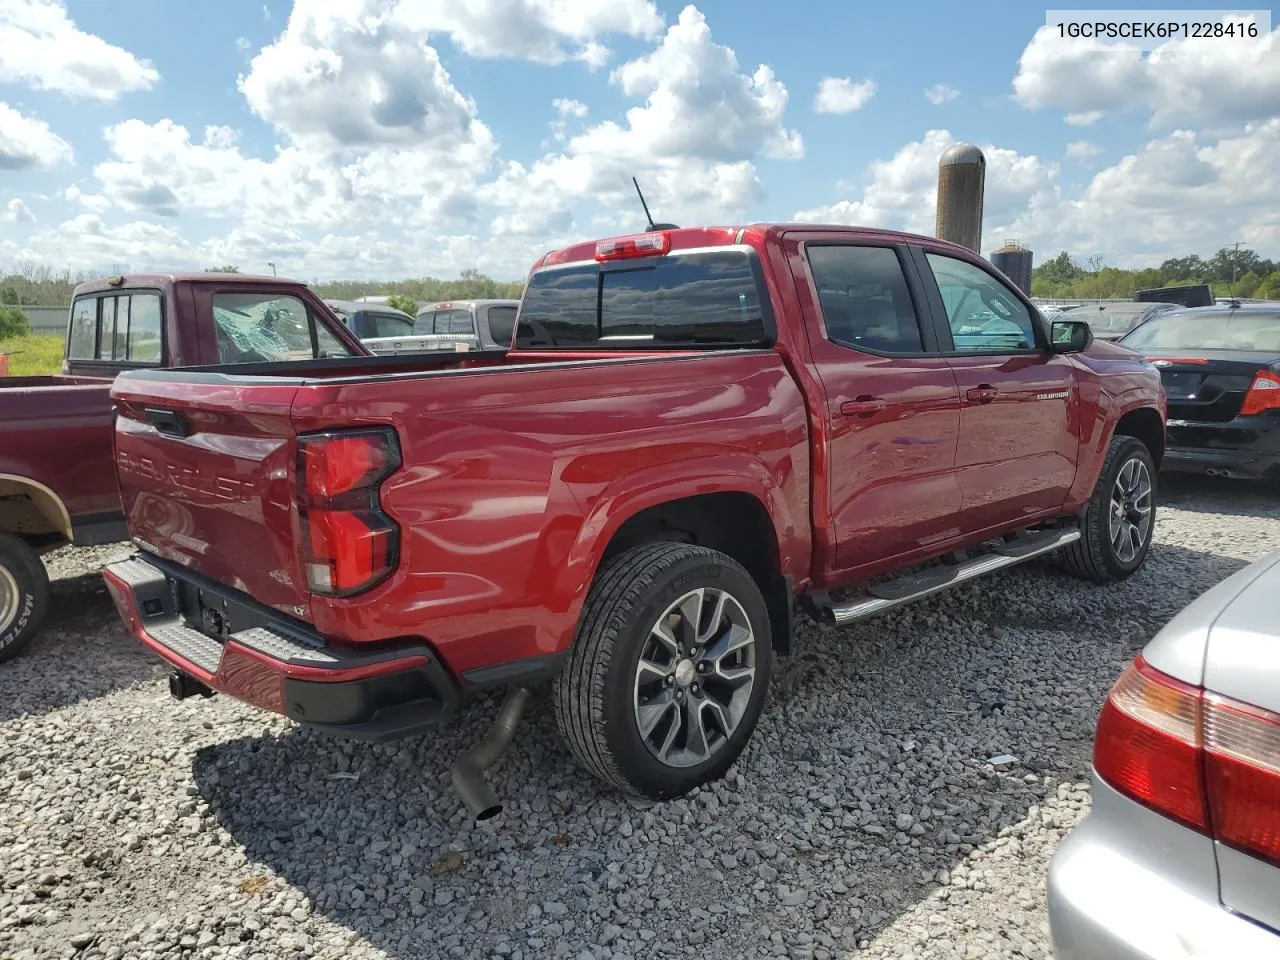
(1070, 336)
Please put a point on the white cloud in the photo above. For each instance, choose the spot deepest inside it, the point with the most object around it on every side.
(1082, 149)
(243, 44)
(1086, 119)
(902, 192)
(28, 144)
(16, 212)
(565, 109)
(544, 31)
(842, 95)
(692, 143)
(569, 108)
(940, 93)
(160, 168)
(44, 49)
(353, 75)
(1174, 195)
(1181, 81)
(92, 201)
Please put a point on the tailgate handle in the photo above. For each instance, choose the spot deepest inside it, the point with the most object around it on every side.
(169, 422)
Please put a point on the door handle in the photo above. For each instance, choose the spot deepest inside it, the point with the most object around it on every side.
(863, 406)
(983, 393)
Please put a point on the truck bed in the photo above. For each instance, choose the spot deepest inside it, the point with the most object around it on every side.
(508, 467)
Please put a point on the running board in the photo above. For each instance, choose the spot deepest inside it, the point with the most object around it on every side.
(931, 580)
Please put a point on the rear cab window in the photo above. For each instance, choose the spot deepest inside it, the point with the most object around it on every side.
(125, 328)
(253, 327)
(454, 320)
(708, 298)
(502, 324)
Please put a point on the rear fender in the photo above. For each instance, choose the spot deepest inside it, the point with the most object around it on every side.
(630, 495)
(29, 508)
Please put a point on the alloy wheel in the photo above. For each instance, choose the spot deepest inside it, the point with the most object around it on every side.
(694, 677)
(1131, 501)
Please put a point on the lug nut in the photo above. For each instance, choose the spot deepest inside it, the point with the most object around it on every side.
(703, 667)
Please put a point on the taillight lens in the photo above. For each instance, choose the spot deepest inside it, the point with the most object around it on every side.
(1242, 774)
(348, 543)
(1207, 761)
(1148, 743)
(1263, 395)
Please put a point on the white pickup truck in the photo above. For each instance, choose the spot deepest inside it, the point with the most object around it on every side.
(458, 325)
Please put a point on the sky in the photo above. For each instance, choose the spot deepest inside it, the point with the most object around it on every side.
(377, 139)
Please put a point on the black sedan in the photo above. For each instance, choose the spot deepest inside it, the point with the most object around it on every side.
(1221, 371)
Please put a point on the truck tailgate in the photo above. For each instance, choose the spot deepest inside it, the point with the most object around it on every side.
(204, 464)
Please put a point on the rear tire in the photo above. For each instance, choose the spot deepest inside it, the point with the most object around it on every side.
(1115, 532)
(24, 595)
(669, 670)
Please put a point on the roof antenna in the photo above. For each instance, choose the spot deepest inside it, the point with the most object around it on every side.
(647, 215)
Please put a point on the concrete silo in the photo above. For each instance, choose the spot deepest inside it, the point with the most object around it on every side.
(962, 175)
(1014, 261)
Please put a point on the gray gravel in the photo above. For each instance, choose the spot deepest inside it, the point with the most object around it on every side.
(862, 819)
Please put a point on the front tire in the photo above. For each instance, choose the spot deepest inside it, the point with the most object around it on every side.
(1118, 521)
(669, 671)
(24, 595)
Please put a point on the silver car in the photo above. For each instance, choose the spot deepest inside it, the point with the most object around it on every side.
(1180, 854)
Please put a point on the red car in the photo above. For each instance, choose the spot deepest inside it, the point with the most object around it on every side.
(695, 428)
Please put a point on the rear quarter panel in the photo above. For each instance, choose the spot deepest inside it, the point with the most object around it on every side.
(57, 432)
(514, 481)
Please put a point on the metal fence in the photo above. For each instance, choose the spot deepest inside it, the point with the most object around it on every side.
(47, 321)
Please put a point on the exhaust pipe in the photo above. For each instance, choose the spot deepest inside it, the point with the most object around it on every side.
(182, 686)
(468, 773)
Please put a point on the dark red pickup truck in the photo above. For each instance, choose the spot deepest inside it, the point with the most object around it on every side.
(57, 475)
(696, 428)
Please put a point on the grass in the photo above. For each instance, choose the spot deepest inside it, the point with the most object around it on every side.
(33, 356)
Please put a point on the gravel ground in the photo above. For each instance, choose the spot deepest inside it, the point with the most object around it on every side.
(862, 819)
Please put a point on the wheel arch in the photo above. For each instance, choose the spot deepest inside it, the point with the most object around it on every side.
(32, 511)
(734, 511)
(1145, 424)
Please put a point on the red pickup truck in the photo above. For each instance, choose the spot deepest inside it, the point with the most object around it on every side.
(57, 473)
(695, 428)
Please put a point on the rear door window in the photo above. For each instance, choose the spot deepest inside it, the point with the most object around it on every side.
(696, 299)
(865, 301)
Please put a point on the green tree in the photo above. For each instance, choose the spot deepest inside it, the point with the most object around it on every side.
(1247, 285)
(226, 268)
(1059, 270)
(403, 302)
(1270, 288)
(13, 323)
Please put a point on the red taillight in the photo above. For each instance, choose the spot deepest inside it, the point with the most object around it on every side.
(1242, 775)
(640, 245)
(348, 543)
(1263, 395)
(1148, 743)
(1207, 761)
